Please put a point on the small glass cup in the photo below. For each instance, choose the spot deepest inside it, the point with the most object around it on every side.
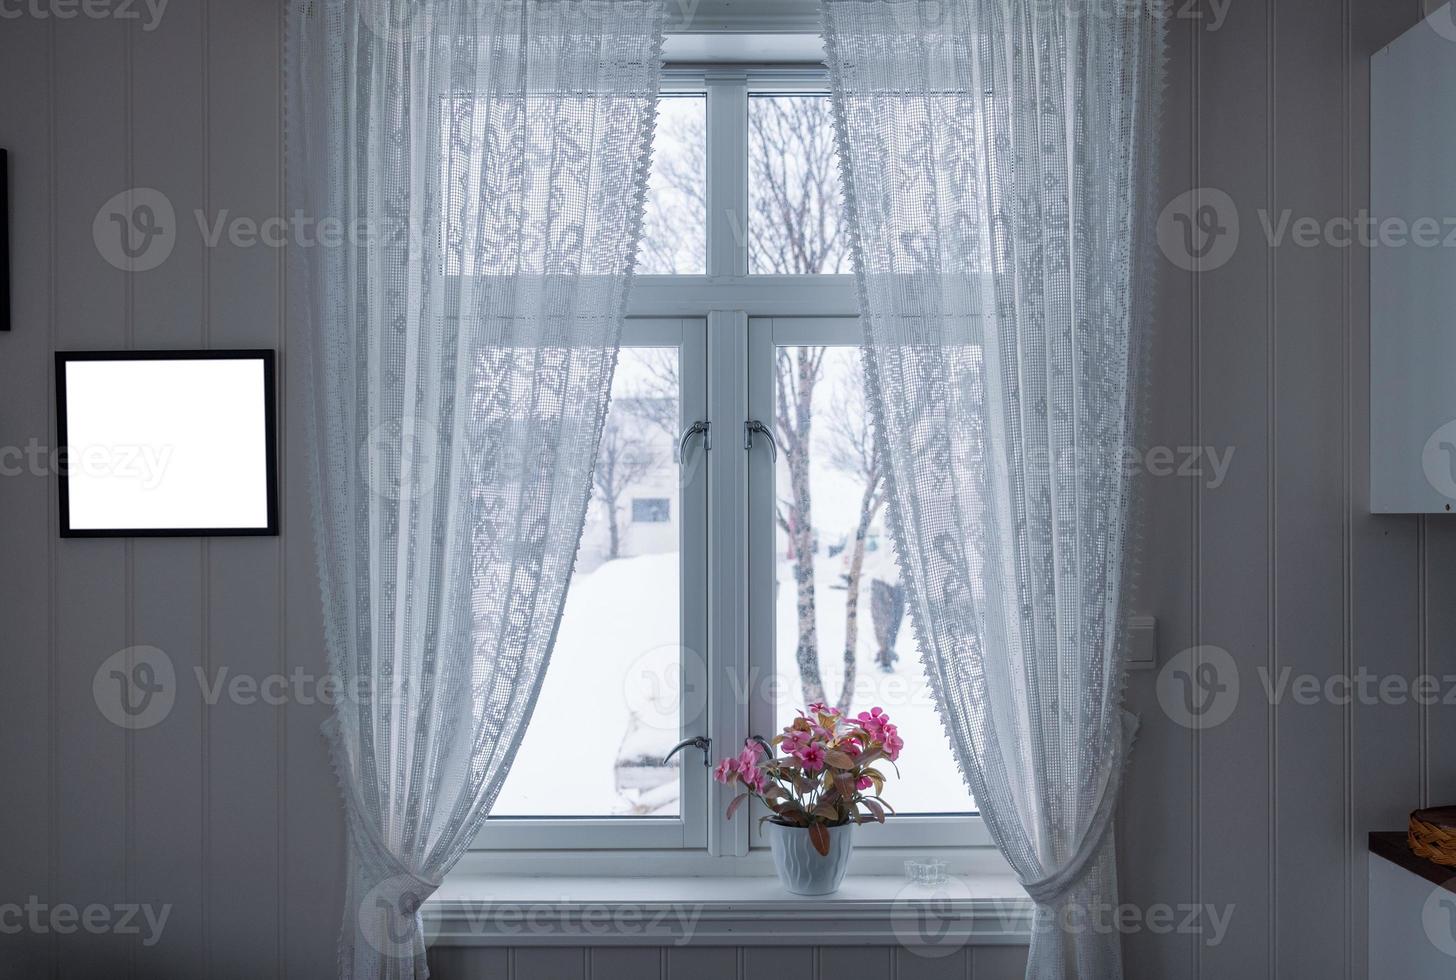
(925, 871)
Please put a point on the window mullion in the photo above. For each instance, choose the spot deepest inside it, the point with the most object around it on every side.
(728, 563)
(727, 172)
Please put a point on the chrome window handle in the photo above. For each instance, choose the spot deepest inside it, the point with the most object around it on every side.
(697, 428)
(755, 426)
(697, 742)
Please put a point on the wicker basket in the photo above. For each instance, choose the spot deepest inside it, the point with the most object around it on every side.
(1433, 835)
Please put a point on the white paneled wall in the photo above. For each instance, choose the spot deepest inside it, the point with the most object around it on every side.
(228, 811)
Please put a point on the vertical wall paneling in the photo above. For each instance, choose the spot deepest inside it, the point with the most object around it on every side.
(1233, 354)
(907, 964)
(702, 963)
(167, 311)
(92, 822)
(624, 963)
(27, 746)
(998, 962)
(1154, 855)
(786, 961)
(1309, 484)
(727, 963)
(565, 963)
(243, 139)
(871, 963)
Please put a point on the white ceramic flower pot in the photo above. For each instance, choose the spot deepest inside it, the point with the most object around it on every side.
(803, 870)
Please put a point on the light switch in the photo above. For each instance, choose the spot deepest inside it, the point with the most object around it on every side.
(1142, 653)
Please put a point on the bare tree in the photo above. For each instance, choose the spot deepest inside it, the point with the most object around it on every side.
(852, 451)
(793, 188)
(799, 371)
(625, 457)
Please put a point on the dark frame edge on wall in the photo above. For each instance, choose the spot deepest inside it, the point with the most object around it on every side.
(270, 423)
(4, 241)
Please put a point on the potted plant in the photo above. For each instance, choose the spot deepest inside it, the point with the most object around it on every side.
(820, 778)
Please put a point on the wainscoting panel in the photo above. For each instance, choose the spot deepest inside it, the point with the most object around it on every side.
(725, 963)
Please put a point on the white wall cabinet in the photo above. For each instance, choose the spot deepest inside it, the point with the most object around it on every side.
(1412, 243)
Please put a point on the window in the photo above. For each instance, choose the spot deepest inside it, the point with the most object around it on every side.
(718, 589)
(623, 606)
(651, 510)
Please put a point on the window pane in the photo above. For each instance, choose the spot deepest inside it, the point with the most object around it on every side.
(675, 223)
(837, 584)
(596, 740)
(793, 187)
(651, 510)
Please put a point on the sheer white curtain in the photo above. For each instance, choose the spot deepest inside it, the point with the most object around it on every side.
(995, 154)
(473, 174)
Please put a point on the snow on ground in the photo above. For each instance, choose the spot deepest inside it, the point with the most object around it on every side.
(617, 647)
(611, 692)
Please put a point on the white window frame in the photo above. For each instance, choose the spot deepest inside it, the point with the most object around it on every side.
(725, 322)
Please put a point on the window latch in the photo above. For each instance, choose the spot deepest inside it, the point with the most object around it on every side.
(697, 428)
(697, 742)
(755, 426)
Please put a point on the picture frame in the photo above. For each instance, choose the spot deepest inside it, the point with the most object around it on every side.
(161, 450)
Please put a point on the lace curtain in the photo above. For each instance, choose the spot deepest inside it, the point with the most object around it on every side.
(475, 171)
(994, 157)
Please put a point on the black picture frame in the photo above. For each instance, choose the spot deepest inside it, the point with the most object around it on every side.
(4, 241)
(270, 421)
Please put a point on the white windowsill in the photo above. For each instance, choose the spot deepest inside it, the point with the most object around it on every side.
(488, 910)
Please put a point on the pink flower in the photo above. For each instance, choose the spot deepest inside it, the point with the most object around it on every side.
(893, 743)
(820, 709)
(725, 771)
(874, 722)
(757, 780)
(863, 782)
(811, 757)
(750, 755)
